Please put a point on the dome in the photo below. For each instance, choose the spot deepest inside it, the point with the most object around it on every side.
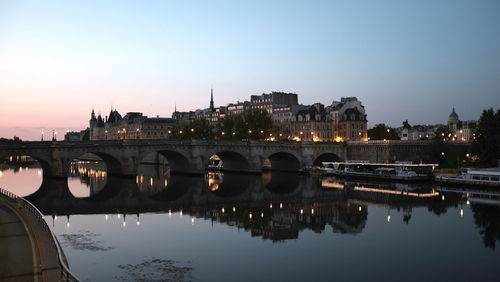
(453, 115)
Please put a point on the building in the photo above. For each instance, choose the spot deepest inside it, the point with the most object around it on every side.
(133, 125)
(461, 130)
(341, 121)
(212, 114)
(276, 99)
(417, 132)
(350, 120)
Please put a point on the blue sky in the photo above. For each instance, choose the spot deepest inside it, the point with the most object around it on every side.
(410, 60)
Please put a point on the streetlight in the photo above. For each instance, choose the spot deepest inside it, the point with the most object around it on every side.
(42, 135)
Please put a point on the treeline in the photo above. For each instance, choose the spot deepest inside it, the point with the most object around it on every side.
(252, 124)
(487, 145)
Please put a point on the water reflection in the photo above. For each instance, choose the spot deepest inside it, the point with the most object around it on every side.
(87, 177)
(21, 175)
(275, 205)
(153, 178)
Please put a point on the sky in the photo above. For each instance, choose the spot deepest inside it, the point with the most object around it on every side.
(410, 60)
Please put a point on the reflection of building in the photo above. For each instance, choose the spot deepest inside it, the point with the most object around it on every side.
(284, 221)
(152, 178)
(133, 125)
(91, 173)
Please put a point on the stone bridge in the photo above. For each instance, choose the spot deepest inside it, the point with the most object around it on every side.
(124, 156)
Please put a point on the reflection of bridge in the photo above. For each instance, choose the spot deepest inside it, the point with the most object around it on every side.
(300, 193)
(123, 157)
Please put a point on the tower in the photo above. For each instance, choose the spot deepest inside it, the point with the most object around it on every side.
(212, 100)
(92, 124)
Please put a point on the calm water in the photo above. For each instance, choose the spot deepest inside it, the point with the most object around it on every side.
(274, 227)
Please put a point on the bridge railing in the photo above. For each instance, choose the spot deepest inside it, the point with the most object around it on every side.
(66, 274)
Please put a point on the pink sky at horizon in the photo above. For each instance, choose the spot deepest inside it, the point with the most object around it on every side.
(411, 61)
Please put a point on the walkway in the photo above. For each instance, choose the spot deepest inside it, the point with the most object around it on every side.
(27, 250)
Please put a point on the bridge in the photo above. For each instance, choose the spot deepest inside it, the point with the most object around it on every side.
(123, 157)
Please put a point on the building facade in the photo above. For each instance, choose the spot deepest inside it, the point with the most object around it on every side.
(133, 125)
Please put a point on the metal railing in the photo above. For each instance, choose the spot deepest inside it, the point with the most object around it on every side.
(66, 274)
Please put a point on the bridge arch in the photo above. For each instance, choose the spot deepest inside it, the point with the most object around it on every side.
(113, 164)
(232, 161)
(282, 161)
(88, 174)
(326, 157)
(177, 161)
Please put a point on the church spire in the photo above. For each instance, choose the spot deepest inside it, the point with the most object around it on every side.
(212, 99)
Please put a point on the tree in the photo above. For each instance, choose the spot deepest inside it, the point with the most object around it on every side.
(195, 129)
(252, 124)
(442, 134)
(381, 132)
(488, 140)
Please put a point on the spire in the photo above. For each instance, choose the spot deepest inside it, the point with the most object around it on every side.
(92, 115)
(212, 98)
(175, 108)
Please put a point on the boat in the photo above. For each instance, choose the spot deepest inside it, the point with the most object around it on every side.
(399, 172)
(488, 177)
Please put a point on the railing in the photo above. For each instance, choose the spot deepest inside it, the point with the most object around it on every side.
(66, 274)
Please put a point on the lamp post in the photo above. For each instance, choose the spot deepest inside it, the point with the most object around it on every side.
(42, 135)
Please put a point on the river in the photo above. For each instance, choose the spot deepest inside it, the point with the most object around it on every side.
(270, 227)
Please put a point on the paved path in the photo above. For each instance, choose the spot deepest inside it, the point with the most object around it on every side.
(27, 252)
